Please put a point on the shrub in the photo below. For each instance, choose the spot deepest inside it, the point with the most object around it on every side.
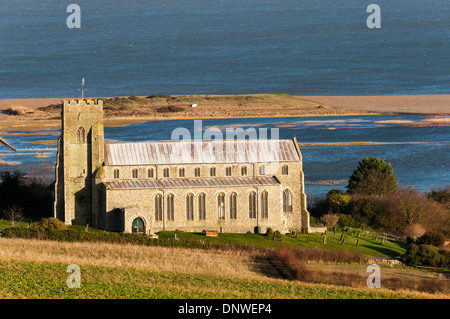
(422, 255)
(49, 224)
(431, 238)
(269, 232)
(277, 235)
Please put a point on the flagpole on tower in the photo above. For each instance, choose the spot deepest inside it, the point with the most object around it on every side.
(82, 89)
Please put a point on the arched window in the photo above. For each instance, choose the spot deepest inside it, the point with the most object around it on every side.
(284, 170)
(158, 207)
(233, 205)
(170, 215)
(116, 173)
(166, 172)
(264, 204)
(252, 205)
(190, 207)
(135, 173)
(221, 205)
(228, 171)
(197, 172)
(181, 172)
(81, 135)
(287, 201)
(212, 172)
(150, 173)
(202, 206)
(244, 170)
(137, 227)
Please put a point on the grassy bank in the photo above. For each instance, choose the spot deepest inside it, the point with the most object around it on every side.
(48, 280)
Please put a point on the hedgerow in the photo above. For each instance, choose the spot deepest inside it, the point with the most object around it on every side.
(75, 235)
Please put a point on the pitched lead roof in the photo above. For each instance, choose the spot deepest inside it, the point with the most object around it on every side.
(202, 152)
(192, 182)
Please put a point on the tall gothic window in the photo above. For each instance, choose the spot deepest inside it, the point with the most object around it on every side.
(190, 207)
(221, 206)
(81, 135)
(264, 205)
(287, 201)
(158, 208)
(252, 205)
(202, 206)
(233, 205)
(170, 215)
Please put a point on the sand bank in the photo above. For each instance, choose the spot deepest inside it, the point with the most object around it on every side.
(36, 115)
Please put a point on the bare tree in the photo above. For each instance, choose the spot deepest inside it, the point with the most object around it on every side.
(13, 213)
(330, 220)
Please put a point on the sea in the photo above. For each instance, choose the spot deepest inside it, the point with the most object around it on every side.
(315, 47)
(418, 153)
(143, 47)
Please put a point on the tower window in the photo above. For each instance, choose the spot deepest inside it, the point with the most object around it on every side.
(81, 135)
(287, 201)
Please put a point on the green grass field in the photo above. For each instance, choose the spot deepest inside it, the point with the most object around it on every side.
(49, 280)
(367, 245)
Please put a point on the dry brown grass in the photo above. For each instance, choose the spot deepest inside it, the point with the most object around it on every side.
(226, 263)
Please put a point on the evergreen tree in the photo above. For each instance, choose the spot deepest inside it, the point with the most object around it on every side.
(372, 177)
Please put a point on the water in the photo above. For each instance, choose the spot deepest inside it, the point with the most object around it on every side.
(137, 47)
(420, 155)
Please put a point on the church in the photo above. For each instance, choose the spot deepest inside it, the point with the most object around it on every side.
(231, 186)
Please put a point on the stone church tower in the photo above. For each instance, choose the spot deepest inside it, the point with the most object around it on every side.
(80, 154)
